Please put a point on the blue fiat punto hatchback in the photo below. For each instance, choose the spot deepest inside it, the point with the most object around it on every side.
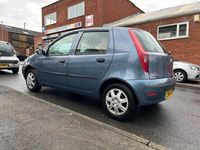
(122, 67)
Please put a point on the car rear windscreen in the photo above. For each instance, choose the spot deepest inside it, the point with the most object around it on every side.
(6, 50)
(148, 42)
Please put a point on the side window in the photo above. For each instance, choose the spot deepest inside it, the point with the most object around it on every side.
(62, 47)
(93, 43)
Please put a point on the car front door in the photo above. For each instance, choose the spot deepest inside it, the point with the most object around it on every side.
(53, 67)
(91, 60)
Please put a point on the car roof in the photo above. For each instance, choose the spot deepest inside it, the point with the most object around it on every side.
(97, 29)
(100, 29)
(4, 42)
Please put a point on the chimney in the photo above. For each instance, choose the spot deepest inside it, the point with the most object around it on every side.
(24, 26)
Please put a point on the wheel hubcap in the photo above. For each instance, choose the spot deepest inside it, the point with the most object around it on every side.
(117, 102)
(179, 76)
(30, 80)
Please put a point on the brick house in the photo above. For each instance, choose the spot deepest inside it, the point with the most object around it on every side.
(65, 15)
(177, 28)
(21, 39)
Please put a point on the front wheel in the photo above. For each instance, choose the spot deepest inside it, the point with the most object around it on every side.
(32, 81)
(119, 102)
(180, 76)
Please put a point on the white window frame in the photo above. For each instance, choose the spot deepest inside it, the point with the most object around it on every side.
(68, 17)
(177, 31)
(45, 22)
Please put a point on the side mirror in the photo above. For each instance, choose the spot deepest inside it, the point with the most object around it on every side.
(41, 52)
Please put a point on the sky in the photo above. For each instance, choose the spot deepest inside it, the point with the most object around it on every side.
(18, 12)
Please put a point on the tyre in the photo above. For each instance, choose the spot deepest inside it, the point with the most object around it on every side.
(180, 75)
(119, 102)
(32, 81)
(15, 71)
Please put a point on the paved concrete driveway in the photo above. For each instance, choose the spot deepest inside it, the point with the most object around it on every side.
(30, 123)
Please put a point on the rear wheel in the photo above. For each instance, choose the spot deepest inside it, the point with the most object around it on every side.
(180, 75)
(15, 71)
(32, 81)
(118, 102)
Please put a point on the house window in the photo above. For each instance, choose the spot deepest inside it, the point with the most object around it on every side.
(173, 31)
(50, 19)
(76, 10)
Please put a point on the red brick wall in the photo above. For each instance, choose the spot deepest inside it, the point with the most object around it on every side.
(22, 51)
(37, 41)
(92, 7)
(118, 9)
(104, 11)
(187, 49)
(5, 35)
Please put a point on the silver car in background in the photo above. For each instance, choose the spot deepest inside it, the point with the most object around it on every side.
(8, 58)
(184, 71)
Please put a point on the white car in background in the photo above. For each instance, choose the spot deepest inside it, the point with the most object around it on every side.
(8, 58)
(184, 71)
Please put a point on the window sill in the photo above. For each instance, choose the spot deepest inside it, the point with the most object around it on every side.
(176, 38)
(50, 24)
(75, 17)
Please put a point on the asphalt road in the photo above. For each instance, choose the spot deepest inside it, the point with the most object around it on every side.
(174, 123)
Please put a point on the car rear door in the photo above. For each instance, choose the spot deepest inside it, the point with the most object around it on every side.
(90, 61)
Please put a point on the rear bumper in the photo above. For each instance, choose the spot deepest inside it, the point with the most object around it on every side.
(150, 92)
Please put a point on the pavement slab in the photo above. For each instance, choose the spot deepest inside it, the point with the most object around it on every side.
(27, 122)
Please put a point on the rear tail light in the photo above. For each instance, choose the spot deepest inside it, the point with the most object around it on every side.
(143, 56)
(151, 94)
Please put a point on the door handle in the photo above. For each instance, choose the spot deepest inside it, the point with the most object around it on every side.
(62, 61)
(100, 60)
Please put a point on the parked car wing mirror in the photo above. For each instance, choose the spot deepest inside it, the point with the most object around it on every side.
(169, 53)
(41, 52)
